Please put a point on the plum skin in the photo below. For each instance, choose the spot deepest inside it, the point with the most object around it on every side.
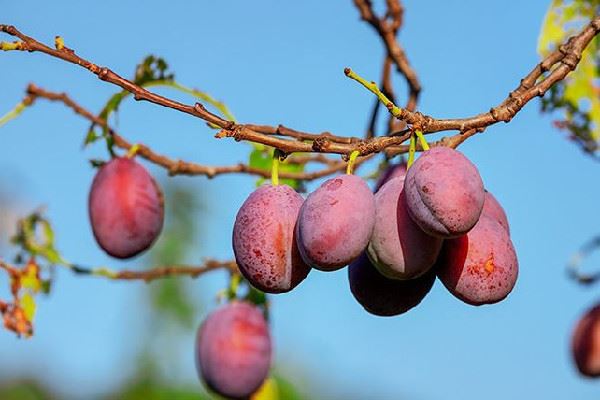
(585, 343)
(392, 171)
(493, 209)
(335, 223)
(385, 297)
(126, 208)
(480, 267)
(398, 248)
(233, 350)
(263, 239)
(444, 193)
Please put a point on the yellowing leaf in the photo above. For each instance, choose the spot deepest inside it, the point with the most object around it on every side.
(552, 31)
(30, 278)
(28, 304)
(268, 391)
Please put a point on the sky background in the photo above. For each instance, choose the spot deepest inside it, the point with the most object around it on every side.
(282, 62)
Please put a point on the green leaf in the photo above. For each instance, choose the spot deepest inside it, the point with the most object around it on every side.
(263, 159)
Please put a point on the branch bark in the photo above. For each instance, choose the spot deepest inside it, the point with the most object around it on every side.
(558, 65)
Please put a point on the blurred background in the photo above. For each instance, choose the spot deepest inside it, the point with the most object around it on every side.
(282, 62)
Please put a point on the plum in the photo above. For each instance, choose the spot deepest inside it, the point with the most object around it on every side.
(398, 247)
(494, 210)
(480, 267)
(233, 350)
(335, 223)
(263, 239)
(126, 208)
(382, 296)
(444, 193)
(585, 344)
(392, 171)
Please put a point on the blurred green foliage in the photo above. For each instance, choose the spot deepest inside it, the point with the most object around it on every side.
(577, 98)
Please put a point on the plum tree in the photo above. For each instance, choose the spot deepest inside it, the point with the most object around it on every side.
(335, 222)
(494, 210)
(125, 207)
(263, 239)
(435, 213)
(398, 247)
(481, 266)
(233, 350)
(382, 296)
(444, 192)
(585, 343)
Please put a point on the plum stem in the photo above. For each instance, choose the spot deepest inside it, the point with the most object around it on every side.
(275, 168)
(133, 151)
(351, 161)
(422, 139)
(234, 283)
(412, 147)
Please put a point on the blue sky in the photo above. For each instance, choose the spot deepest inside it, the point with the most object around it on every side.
(282, 62)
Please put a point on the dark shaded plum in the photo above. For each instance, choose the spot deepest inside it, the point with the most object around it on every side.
(263, 239)
(386, 297)
(398, 247)
(444, 192)
(336, 222)
(126, 208)
(585, 344)
(480, 267)
(233, 350)
(391, 172)
(494, 210)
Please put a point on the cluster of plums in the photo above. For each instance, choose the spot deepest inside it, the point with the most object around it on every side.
(435, 218)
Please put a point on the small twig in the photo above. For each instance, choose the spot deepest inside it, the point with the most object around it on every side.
(574, 266)
(158, 272)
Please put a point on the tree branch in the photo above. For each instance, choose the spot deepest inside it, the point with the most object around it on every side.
(387, 29)
(180, 167)
(158, 272)
(558, 64)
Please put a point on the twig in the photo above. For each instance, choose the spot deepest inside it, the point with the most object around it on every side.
(558, 64)
(180, 167)
(158, 272)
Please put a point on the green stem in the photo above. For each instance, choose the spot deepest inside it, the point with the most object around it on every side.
(351, 161)
(275, 168)
(412, 147)
(234, 283)
(133, 151)
(12, 114)
(372, 87)
(422, 139)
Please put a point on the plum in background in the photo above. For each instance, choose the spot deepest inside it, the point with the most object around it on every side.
(444, 193)
(494, 210)
(125, 207)
(585, 344)
(233, 350)
(263, 239)
(382, 296)
(398, 247)
(335, 223)
(392, 171)
(480, 267)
